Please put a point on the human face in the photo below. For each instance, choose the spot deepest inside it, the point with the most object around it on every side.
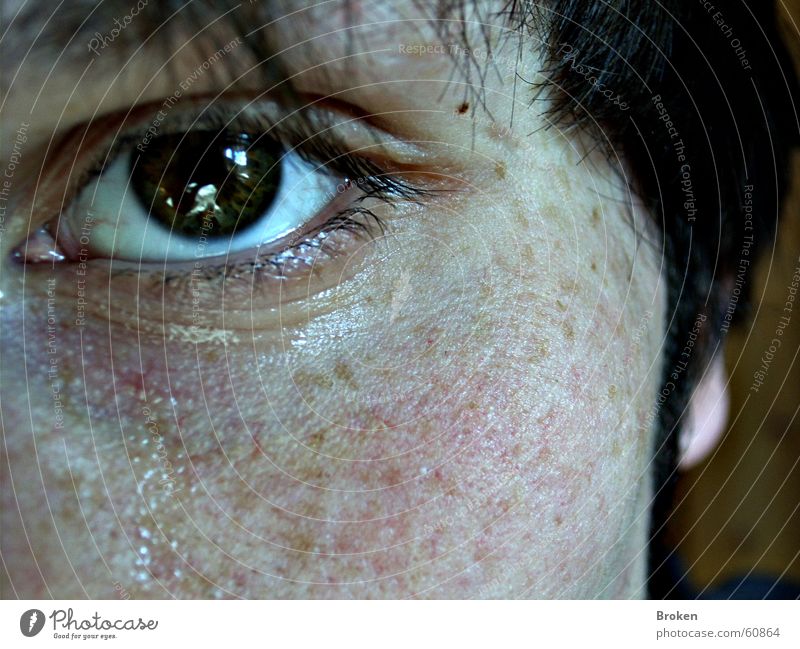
(457, 405)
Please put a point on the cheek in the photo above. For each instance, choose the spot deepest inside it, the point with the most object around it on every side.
(422, 441)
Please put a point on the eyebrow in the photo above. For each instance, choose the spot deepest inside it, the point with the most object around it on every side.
(121, 28)
(72, 26)
(107, 33)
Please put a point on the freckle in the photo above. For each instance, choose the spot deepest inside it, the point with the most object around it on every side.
(211, 355)
(315, 476)
(240, 579)
(596, 217)
(612, 391)
(560, 305)
(594, 266)
(472, 405)
(569, 332)
(343, 373)
(500, 170)
(316, 440)
(542, 351)
(568, 286)
(528, 255)
(463, 108)
(306, 380)
(558, 520)
(301, 543)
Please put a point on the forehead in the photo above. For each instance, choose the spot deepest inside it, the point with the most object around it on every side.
(38, 27)
(91, 58)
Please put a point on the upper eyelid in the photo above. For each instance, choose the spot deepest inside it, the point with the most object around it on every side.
(343, 162)
(293, 129)
(126, 129)
(95, 153)
(130, 131)
(265, 116)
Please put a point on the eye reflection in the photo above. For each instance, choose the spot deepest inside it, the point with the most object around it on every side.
(207, 182)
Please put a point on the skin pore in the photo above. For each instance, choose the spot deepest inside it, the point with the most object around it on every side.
(458, 406)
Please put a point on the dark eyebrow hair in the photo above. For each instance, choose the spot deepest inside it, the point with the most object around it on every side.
(108, 32)
(118, 28)
(72, 24)
(70, 27)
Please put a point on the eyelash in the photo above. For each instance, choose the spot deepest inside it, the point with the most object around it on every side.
(314, 145)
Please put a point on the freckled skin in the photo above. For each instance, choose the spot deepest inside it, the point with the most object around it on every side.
(459, 416)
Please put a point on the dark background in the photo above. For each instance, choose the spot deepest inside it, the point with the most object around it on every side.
(740, 510)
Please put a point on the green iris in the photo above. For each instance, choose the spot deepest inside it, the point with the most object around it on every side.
(207, 183)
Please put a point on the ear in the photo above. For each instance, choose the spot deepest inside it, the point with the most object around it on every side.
(707, 416)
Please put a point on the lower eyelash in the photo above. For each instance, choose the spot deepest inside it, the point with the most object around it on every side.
(358, 222)
(319, 146)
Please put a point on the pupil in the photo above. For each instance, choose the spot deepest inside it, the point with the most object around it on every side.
(207, 183)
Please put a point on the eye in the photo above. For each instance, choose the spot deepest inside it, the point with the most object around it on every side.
(229, 186)
(198, 195)
(225, 213)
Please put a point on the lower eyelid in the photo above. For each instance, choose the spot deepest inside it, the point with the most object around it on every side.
(245, 297)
